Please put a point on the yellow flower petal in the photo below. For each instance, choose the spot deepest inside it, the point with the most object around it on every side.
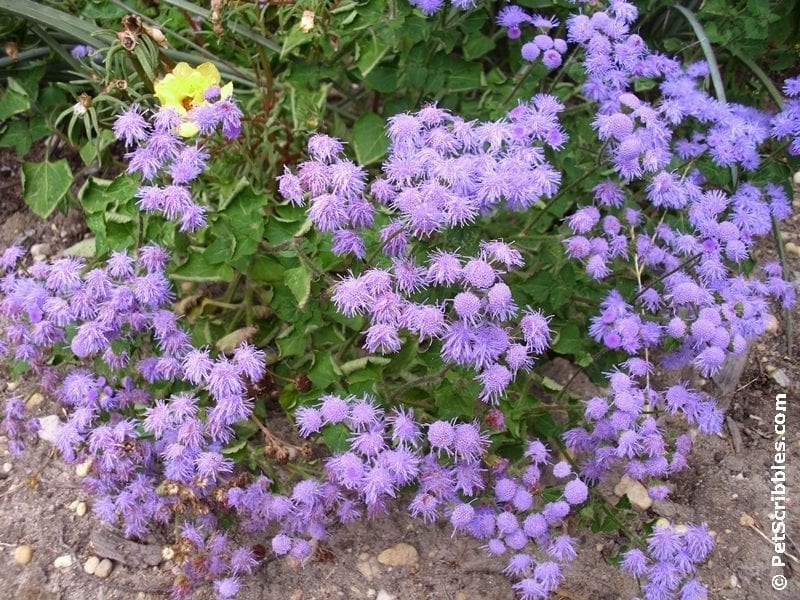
(188, 129)
(226, 91)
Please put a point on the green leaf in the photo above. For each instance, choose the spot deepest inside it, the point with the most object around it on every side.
(477, 45)
(18, 136)
(369, 140)
(100, 195)
(569, 339)
(296, 38)
(298, 280)
(45, 184)
(335, 437)
(267, 269)
(198, 269)
(13, 101)
(362, 363)
(85, 248)
(370, 54)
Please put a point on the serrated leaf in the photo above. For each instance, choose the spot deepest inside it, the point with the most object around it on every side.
(362, 363)
(371, 53)
(228, 343)
(198, 269)
(45, 184)
(369, 140)
(18, 136)
(12, 102)
(335, 437)
(85, 248)
(298, 280)
(265, 268)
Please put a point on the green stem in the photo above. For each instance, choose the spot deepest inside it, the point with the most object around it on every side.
(528, 69)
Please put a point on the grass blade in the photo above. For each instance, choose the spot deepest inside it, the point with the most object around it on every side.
(58, 20)
(713, 67)
(242, 30)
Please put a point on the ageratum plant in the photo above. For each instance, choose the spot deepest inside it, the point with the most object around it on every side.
(557, 187)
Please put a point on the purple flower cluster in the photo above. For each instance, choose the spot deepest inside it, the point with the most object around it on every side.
(151, 451)
(160, 153)
(15, 426)
(786, 124)
(474, 323)
(431, 7)
(623, 430)
(543, 46)
(670, 563)
(442, 462)
(442, 172)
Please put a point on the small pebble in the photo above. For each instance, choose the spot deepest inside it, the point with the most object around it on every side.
(733, 582)
(167, 553)
(7, 466)
(780, 377)
(39, 252)
(35, 400)
(48, 428)
(23, 554)
(770, 369)
(772, 325)
(12, 385)
(384, 595)
(82, 470)
(796, 178)
(63, 562)
(461, 596)
(104, 568)
(792, 248)
(90, 566)
(399, 555)
(80, 509)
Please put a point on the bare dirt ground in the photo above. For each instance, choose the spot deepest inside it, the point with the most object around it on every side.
(726, 485)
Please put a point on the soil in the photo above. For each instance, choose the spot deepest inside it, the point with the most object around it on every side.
(726, 485)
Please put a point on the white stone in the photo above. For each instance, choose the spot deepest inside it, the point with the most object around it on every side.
(384, 595)
(796, 178)
(49, 427)
(103, 569)
(40, 251)
(12, 385)
(399, 555)
(90, 566)
(167, 553)
(7, 467)
(80, 509)
(82, 470)
(368, 568)
(780, 377)
(63, 562)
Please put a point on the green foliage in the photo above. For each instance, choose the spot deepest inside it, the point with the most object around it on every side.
(258, 270)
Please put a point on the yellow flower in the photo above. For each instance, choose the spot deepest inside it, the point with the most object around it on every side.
(185, 87)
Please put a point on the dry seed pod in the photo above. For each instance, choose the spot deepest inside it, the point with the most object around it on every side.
(156, 35)
(12, 51)
(128, 40)
(132, 24)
